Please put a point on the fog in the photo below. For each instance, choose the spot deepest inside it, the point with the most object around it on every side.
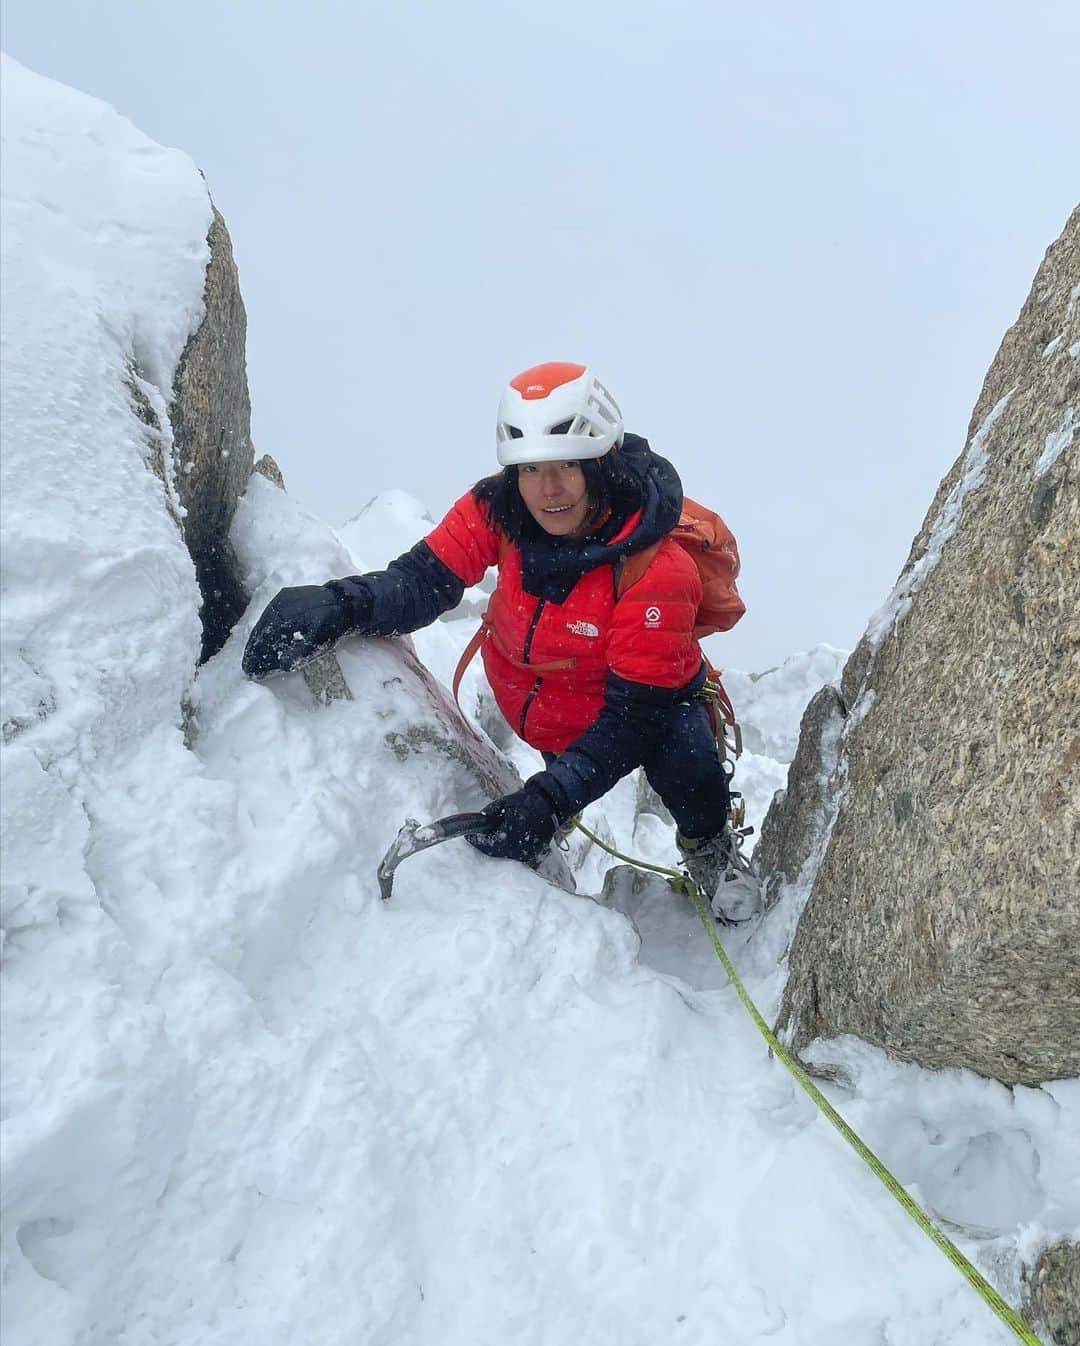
(788, 238)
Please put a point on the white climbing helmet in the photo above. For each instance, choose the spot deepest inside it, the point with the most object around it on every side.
(554, 412)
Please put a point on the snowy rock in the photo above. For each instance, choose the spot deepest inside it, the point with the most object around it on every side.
(278, 543)
(211, 425)
(247, 1100)
(945, 907)
(267, 467)
(89, 243)
(104, 258)
(794, 825)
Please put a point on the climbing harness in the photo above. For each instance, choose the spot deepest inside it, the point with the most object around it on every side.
(684, 883)
(722, 715)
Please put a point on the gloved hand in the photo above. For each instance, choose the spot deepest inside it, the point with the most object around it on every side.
(297, 623)
(526, 824)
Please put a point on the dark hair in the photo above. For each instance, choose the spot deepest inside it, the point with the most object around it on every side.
(612, 491)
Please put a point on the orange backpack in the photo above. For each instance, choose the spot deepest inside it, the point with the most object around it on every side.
(711, 546)
(710, 543)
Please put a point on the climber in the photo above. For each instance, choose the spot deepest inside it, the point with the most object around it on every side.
(599, 681)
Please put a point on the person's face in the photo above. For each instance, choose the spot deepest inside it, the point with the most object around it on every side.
(555, 495)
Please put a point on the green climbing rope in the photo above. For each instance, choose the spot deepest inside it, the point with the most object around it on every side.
(978, 1282)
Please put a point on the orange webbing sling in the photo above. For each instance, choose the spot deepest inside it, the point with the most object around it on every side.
(487, 632)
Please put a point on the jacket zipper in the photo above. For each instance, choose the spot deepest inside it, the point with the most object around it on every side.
(528, 706)
(525, 659)
(532, 630)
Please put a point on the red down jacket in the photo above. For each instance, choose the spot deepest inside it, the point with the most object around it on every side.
(547, 662)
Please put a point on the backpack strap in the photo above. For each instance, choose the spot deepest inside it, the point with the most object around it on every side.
(721, 713)
(629, 569)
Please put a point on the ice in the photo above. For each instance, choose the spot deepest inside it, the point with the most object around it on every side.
(1056, 443)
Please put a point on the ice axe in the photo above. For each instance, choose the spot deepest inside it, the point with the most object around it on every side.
(416, 836)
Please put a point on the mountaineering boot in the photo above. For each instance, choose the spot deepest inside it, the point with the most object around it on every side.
(705, 858)
(723, 875)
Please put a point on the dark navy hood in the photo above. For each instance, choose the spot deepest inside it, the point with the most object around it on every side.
(550, 567)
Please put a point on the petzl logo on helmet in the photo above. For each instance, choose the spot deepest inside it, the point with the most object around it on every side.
(652, 618)
(542, 380)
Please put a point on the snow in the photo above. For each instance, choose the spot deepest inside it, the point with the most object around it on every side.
(388, 525)
(104, 254)
(971, 478)
(245, 1100)
(1056, 443)
(771, 703)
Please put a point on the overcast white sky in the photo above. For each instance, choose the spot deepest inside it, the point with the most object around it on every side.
(789, 237)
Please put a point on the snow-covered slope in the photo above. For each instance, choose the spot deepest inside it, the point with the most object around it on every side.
(103, 236)
(771, 703)
(245, 1100)
(103, 258)
(387, 525)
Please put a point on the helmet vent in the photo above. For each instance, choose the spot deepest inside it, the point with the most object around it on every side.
(563, 427)
(602, 409)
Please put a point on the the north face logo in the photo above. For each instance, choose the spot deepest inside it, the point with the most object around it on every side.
(652, 618)
(583, 628)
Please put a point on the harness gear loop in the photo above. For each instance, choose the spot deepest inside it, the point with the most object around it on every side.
(971, 1274)
(721, 715)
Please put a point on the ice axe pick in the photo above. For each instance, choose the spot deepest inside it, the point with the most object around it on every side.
(416, 836)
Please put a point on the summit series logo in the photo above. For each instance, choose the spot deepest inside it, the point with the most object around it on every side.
(652, 618)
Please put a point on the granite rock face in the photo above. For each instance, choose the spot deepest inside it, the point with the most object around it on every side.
(796, 825)
(1052, 1294)
(943, 921)
(268, 468)
(211, 440)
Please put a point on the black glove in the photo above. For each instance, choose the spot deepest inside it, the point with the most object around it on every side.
(296, 625)
(527, 821)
